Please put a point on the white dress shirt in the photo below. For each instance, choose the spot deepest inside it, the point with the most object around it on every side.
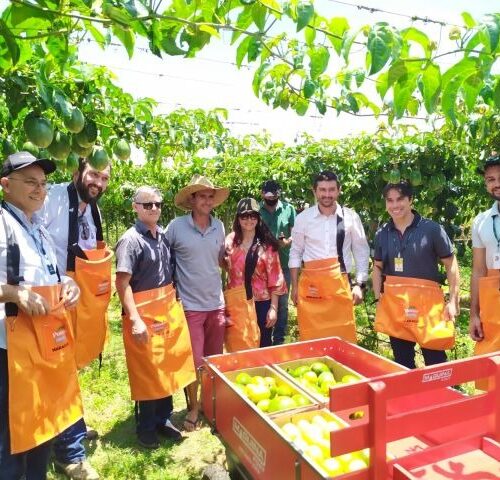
(483, 235)
(55, 218)
(314, 237)
(33, 266)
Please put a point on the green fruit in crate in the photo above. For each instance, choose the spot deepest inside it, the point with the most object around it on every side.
(270, 381)
(263, 404)
(243, 378)
(284, 390)
(300, 400)
(326, 385)
(290, 430)
(299, 371)
(310, 376)
(278, 404)
(241, 388)
(258, 380)
(326, 377)
(314, 453)
(350, 379)
(355, 465)
(319, 367)
(256, 393)
(332, 467)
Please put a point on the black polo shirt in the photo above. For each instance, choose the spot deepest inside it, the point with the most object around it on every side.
(147, 259)
(421, 246)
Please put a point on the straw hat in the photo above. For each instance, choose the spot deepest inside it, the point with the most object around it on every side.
(183, 198)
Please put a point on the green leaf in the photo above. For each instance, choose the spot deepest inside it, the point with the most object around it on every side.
(300, 106)
(380, 45)
(259, 75)
(471, 88)
(126, 37)
(310, 35)
(259, 15)
(242, 50)
(96, 34)
(243, 21)
(169, 45)
(468, 20)
(359, 77)
(417, 36)
(210, 30)
(273, 5)
(305, 12)
(353, 104)
(496, 94)
(319, 56)
(321, 106)
(309, 88)
(254, 48)
(398, 70)
(412, 106)
(493, 28)
(23, 16)
(337, 26)
(347, 42)
(10, 41)
(382, 84)
(430, 86)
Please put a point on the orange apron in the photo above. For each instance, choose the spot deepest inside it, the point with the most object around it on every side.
(90, 318)
(412, 309)
(325, 307)
(489, 308)
(44, 395)
(244, 332)
(164, 364)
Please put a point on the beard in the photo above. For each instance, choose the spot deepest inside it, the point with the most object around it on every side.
(495, 196)
(84, 193)
(271, 203)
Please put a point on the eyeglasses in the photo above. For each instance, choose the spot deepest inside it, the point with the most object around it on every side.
(84, 227)
(249, 216)
(149, 205)
(31, 183)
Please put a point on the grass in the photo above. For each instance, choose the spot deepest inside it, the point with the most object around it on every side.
(109, 409)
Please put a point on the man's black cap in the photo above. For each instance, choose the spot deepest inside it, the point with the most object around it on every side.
(490, 162)
(271, 188)
(20, 160)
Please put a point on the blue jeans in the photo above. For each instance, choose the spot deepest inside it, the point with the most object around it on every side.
(68, 445)
(32, 463)
(150, 414)
(404, 353)
(279, 330)
(262, 307)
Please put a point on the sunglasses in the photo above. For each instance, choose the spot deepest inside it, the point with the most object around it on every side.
(248, 216)
(149, 205)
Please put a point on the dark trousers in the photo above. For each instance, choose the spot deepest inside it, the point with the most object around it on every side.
(33, 463)
(68, 445)
(262, 307)
(150, 414)
(279, 330)
(404, 353)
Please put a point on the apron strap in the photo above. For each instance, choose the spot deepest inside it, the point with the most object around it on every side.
(73, 234)
(340, 241)
(250, 264)
(13, 261)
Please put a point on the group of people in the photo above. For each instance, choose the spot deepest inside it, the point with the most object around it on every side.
(55, 287)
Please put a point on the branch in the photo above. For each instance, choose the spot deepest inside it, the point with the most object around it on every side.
(64, 31)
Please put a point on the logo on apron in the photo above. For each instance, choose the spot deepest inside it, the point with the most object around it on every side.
(411, 314)
(312, 292)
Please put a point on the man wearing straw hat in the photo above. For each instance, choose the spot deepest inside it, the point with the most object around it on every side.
(197, 241)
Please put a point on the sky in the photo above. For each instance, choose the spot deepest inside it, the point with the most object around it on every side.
(212, 79)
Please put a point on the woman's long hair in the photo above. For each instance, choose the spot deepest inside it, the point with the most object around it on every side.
(263, 235)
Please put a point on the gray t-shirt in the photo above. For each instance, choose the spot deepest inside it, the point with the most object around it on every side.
(196, 255)
(147, 259)
(421, 246)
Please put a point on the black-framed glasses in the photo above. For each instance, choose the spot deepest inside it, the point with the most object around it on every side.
(249, 216)
(149, 205)
(84, 227)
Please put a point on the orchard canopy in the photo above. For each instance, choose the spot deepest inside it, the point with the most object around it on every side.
(55, 105)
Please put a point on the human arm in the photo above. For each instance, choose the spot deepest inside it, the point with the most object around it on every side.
(294, 281)
(452, 308)
(272, 315)
(360, 250)
(377, 278)
(124, 290)
(478, 270)
(27, 300)
(296, 254)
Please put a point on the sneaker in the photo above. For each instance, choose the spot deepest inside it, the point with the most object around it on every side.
(169, 431)
(78, 471)
(148, 440)
(91, 434)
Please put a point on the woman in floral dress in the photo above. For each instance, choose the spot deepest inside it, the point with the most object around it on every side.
(251, 247)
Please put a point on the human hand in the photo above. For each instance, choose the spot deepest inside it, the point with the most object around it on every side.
(70, 293)
(272, 317)
(30, 302)
(139, 330)
(476, 328)
(357, 295)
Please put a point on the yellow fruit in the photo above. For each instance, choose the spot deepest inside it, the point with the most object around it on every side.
(291, 431)
(314, 453)
(284, 390)
(345, 459)
(258, 380)
(326, 377)
(310, 376)
(332, 467)
(319, 367)
(299, 371)
(350, 379)
(319, 421)
(355, 465)
(333, 426)
(240, 388)
(256, 393)
(243, 378)
(300, 400)
(326, 385)
(270, 381)
(278, 404)
(263, 404)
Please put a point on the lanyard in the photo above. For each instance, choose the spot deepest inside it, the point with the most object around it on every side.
(399, 245)
(38, 241)
(497, 238)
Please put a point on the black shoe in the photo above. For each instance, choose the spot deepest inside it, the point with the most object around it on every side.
(148, 440)
(169, 431)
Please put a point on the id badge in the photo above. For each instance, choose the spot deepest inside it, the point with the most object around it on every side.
(496, 261)
(398, 264)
